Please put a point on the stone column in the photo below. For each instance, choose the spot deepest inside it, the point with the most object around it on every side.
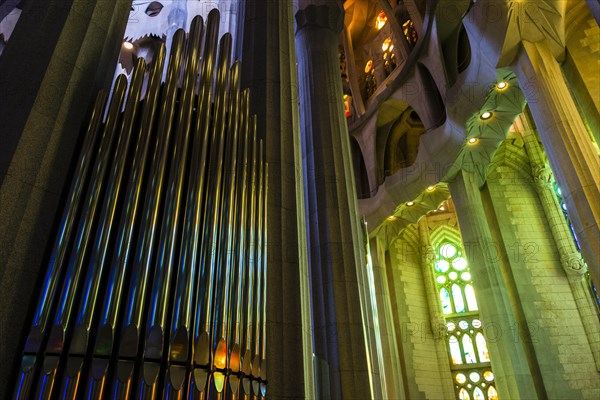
(568, 146)
(570, 258)
(337, 255)
(508, 354)
(269, 69)
(391, 368)
(59, 55)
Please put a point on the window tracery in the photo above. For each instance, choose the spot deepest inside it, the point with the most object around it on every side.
(468, 353)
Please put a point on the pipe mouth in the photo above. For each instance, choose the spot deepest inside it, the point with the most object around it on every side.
(202, 351)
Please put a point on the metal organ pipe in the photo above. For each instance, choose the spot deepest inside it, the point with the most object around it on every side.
(156, 283)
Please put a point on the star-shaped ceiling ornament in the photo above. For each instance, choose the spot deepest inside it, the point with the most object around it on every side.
(534, 21)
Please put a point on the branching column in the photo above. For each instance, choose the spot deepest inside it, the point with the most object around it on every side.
(570, 258)
(509, 361)
(568, 145)
(337, 256)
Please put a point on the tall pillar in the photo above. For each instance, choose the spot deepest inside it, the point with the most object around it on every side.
(391, 368)
(337, 256)
(269, 69)
(570, 258)
(568, 146)
(60, 53)
(509, 356)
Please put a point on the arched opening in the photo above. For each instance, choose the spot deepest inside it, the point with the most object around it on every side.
(463, 56)
(433, 98)
(398, 133)
(361, 178)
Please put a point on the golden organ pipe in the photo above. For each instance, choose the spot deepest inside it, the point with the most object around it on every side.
(224, 260)
(57, 264)
(178, 354)
(210, 240)
(121, 263)
(131, 331)
(157, 309)
(248, 275)
(203, 132)
(263, 348)
(86, 312)
(258, 268)
(65, 314)
(160, 260)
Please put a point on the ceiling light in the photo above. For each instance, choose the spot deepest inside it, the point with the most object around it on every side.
(391, 218)
(442, 208)
(127, 45)
(501, 85)
(410, 203)
(473, 140)
(430, 188)
(486, 115)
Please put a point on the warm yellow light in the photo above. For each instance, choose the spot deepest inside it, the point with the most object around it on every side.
(473, 140)
(386, 44)
(442, 208)
(381, 20)
(127, 45)
(410, 203)
(486, 115)
(368, 66)
(391, 218)
(430, 188)
(501, 85)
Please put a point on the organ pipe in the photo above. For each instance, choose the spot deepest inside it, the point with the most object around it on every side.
(156, 282)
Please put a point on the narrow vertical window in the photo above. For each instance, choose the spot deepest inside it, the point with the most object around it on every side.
(467, 348)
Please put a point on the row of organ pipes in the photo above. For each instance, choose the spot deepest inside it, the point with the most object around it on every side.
(156, 283)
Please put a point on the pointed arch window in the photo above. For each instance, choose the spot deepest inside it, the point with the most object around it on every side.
(467, 348)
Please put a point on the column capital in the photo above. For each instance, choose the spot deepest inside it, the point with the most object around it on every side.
(328, 16)
(542, 175)
(574, 264)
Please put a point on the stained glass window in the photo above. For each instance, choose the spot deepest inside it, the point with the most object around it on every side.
(563, 208)
(468, 352)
